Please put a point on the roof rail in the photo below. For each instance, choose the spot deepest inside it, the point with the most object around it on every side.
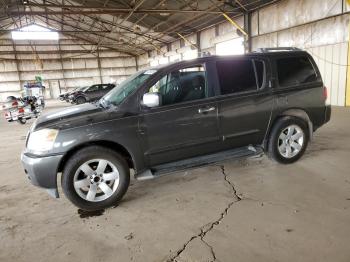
(274, 49)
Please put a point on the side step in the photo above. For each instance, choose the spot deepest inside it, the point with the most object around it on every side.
(198, 162)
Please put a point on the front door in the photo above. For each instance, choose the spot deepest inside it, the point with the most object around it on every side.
(93, 92)
(186, 123)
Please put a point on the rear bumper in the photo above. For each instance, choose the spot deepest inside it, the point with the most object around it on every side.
(42, 171)
(328, 113)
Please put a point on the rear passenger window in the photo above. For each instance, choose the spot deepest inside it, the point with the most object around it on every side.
(236, 76)
(295, 71)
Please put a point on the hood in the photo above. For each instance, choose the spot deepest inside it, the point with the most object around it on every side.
(67, 116)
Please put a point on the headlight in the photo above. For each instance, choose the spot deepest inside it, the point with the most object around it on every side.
(42, 140)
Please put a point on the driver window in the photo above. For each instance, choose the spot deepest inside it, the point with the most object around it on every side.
(92, 88)
(182, 85)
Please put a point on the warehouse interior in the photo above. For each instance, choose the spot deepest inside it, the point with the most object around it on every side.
(104, 45)
(246, 210)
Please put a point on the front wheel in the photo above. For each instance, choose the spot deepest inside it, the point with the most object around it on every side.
(95, 178)
(288, 140)
(81, 100)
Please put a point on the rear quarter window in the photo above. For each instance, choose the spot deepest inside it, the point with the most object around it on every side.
(293, 71)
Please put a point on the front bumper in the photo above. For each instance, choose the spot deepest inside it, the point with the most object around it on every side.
(42, 171)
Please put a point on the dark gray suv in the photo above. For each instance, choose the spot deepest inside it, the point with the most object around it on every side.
(178, 116)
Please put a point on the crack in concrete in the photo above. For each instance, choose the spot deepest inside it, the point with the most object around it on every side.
(204, 230)
(211, 249)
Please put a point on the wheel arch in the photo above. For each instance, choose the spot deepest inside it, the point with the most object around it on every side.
(80, 96)
(103, 143)
(293, 112)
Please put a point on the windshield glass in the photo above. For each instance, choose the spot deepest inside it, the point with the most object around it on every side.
(84, 88)
(80, 88)
(128, 86)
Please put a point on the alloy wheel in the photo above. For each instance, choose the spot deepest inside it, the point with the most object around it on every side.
(96, 180)
(291, 141)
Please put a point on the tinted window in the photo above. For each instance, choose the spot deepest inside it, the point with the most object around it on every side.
(236, 76)
(93, 88)
(182, 85)
(127, 87)
(295, 71)
(104, 87)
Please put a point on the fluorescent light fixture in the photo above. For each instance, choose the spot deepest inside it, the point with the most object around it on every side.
(34, 32)
(231, 47)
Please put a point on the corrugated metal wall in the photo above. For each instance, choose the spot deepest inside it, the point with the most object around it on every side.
(321, 27)
(332, 62)
(68, 70)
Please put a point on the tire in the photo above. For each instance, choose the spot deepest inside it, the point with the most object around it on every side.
(79, 186)
(282, 147)
(80, 100)
(22, 121)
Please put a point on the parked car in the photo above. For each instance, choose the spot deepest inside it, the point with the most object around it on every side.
(179, 116)
(65, 96)
(90, 93)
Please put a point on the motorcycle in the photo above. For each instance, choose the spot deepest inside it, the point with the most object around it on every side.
(21, 109)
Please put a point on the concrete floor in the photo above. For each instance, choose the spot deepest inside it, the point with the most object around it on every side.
(252, 210)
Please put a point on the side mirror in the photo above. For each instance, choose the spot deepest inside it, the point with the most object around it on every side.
(151, 99)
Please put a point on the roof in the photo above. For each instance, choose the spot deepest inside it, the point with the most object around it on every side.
(216, 57)
(132, 27)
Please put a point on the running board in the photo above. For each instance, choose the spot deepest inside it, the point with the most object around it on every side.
(198, 162)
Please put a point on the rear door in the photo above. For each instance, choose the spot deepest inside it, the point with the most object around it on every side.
(186, 124)
(245, 100)
(299, 85)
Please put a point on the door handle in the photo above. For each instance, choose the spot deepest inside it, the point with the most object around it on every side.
(206, 110)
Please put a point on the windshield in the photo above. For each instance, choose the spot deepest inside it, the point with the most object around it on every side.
(84, 88)
(79, 88)
(128, 86)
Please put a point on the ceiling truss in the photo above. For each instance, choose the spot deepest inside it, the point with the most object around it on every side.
(131, 27)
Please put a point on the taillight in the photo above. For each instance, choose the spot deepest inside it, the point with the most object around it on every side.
(21, 110)
(325, 93)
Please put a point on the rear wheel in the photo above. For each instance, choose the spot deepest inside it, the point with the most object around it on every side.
(95, 178)
(288, 140)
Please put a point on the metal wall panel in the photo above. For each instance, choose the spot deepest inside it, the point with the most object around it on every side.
(9, 86)
(8, 66)
(4, 95)
(206, 37)
(332, 63)
(289, 13)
